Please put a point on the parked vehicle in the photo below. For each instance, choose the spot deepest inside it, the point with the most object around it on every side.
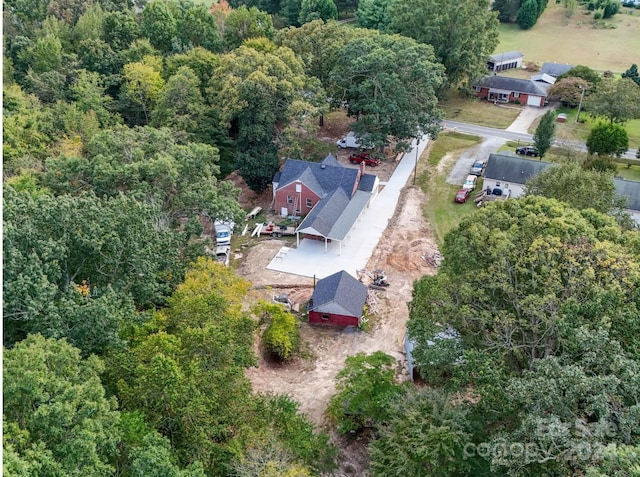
(379, 279)
(477, 168)
(462, 195)
(492, 194)
(350, 140)
(223, 253)
(224, 231)
(527, 151)
(364, 157)
(279, 230)
(470, 183)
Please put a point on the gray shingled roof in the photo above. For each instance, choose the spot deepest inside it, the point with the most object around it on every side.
(319, 177)
(322, 217)
(514, 170)
(339, 294)
(505, 83)
(331, 160)
(555, 69)
(506, 56)
(629, 189)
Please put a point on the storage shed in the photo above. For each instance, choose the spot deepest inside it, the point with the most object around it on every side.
(337, 300)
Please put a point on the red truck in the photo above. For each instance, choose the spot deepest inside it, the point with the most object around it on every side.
(364, 157)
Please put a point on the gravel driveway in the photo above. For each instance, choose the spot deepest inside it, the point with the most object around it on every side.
(460, 170)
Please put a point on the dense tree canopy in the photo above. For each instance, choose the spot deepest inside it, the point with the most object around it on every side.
(255, 94)
(509, 284)
(389, 84)
(582, 189)
(615, 100)
(61, 268)
(57, 419)
(366, 386)
(463, 33)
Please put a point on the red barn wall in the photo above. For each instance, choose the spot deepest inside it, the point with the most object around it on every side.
(335, 320)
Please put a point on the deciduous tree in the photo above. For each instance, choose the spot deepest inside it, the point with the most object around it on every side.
(258, 93)
(518, 276)
(159, 24)
(373, 14)
(615, 100)
(57, 410)
(389, 84)
(244, 23)
(143, 85)
(426, 435)
(577, 187)
(608, 139)
(568, 91)
(317, 10)
(365, 387)
(463, 34)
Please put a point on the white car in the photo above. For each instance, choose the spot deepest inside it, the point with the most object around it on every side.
(470, 183)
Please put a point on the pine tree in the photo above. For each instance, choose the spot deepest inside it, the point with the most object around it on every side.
(632, 73)
(543, 137)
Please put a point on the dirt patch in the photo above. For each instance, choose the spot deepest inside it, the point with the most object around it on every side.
(403, 252)
(310, 378)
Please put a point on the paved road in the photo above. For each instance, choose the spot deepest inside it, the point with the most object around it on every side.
(518, 136)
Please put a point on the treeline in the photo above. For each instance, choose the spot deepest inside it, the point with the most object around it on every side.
(523, 12)
(524, 343)
(526, 12)
(125, 348)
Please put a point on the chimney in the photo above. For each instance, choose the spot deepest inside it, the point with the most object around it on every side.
(362, 167)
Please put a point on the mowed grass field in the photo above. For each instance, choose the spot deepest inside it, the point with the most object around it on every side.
(575, 40)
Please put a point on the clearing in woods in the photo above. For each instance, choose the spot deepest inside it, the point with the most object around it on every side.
(406, 252)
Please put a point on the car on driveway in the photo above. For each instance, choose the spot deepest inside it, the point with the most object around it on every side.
(527, 151)
(462, 195)
(470, 183)
(364, 157)
(477, 168)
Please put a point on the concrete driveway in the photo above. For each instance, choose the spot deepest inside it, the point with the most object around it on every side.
(310, 259)
(527, 116)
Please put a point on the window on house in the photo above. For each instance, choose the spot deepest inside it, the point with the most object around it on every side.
(325, 316)
(478, 88)
(309, 203)
(516, 95)
(289, 199)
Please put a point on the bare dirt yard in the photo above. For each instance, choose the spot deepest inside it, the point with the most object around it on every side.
(404, 253)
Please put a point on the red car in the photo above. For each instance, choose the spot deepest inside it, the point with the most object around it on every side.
(364, 157)
(462, 195)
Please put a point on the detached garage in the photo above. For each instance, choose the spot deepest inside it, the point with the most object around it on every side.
(337, 300)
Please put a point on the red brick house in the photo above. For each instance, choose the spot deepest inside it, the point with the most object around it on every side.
(503, 89)
(329, 196)
(337, 300)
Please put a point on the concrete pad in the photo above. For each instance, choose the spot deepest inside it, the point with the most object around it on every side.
(311, 259)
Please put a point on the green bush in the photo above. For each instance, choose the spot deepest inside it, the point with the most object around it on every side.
(281, 337)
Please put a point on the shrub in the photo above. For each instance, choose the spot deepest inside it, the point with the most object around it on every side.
(280, 338)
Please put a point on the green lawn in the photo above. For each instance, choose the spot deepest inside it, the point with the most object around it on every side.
(575, 40)
(476, 111)
(632, 173)
(441, 212)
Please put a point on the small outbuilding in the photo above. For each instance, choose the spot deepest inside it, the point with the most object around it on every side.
(505, 61)
(337, 300)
